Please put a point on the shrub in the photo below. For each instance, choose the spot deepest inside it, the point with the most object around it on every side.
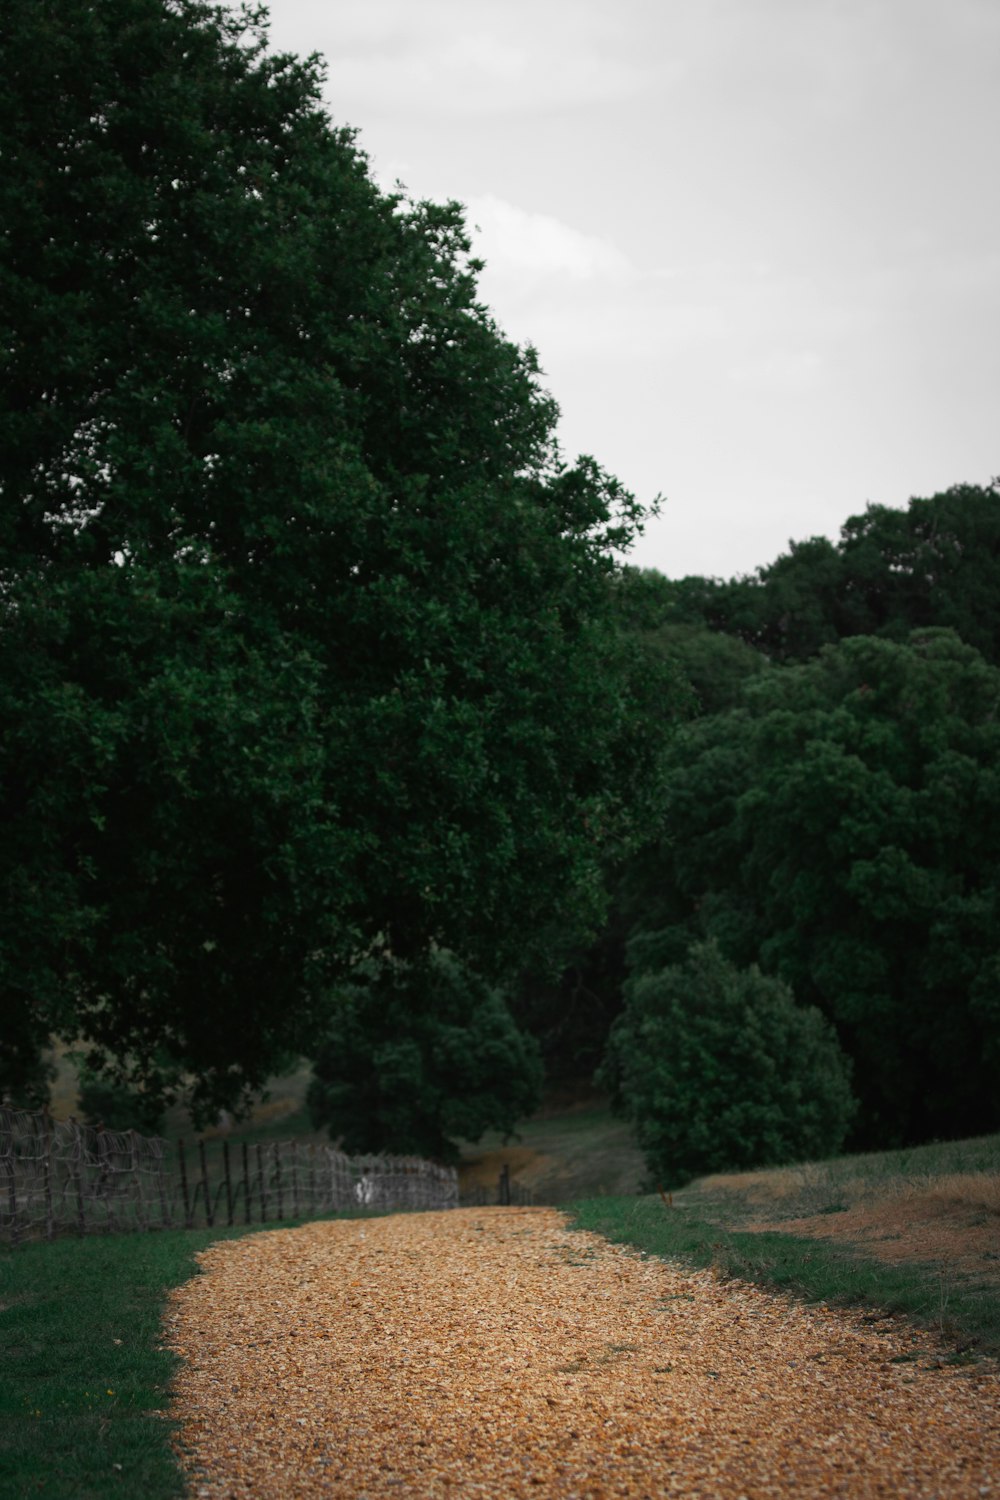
(420, 1056)
(103, 1102)
(719, 1068)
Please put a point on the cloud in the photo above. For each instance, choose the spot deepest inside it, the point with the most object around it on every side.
(446, 58)
(621, 334)
(479, 74)
(516, 243)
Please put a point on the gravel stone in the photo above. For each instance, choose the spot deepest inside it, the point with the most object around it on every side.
(498, 1353)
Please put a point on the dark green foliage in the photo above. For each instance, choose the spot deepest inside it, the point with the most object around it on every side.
(421, 1056)
(308, 638)
(715, 667)
(936, 563)
(892, 571)
(841, 829)
(838, 822)
(110, 1106)
(26, 1072)
(570, 1012)
(719, 1068)
(701, 671)
(674, 620)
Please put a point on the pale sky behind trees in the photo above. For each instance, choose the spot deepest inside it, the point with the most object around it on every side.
(755, 242)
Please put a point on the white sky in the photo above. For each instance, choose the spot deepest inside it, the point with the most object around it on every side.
(755, 242)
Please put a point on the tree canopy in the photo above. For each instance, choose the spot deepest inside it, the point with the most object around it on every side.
(892, 571)
(309, 647)
(420, 1057)
(840, 828)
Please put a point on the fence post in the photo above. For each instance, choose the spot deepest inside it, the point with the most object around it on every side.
(104, 1190)
(261, 1188)
(295, 1180)
(77, 1171)
(246, 1187)
(182, 1163)
(8, 1153)
(105, 1179)
(47, 1171)
(229, 1185)
(166, 1217)
(209, 1211)
(134, 1162)
(277, 1178)
(504, 1185)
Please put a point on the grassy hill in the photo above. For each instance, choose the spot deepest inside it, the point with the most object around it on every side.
(572, 1148)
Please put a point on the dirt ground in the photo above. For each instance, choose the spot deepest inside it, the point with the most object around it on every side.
(527, 1166)
(496, 1353)
(953, 1221)
(913, 1230)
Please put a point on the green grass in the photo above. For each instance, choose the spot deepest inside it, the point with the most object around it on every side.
(84, 1375)
(962, 1311)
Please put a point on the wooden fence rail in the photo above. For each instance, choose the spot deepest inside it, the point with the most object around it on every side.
(59, 1176)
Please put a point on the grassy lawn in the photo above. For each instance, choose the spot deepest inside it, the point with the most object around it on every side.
(85, 1377)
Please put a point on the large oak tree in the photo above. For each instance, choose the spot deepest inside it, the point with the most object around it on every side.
(308, 648)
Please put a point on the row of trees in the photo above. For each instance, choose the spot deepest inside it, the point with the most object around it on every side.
(935, 563)
(831, 822)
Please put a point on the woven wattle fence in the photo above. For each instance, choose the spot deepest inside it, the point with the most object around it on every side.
(60, 1177)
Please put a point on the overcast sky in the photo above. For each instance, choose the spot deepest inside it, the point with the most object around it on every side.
(755, 242)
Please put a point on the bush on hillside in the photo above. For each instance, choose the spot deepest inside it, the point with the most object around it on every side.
(719, 1068)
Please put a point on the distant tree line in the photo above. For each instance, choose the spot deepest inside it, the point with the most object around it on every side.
(831, 819)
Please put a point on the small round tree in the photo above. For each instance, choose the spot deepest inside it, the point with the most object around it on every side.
(719, 1068)
(420, 1056)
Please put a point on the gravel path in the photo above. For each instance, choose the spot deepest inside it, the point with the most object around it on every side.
(494, 1352)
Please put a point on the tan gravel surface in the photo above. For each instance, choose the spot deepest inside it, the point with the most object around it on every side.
(495, 1352)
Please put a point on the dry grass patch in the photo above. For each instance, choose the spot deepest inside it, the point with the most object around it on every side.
(914, 1227)
(895, 1207)
(526, 1166)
